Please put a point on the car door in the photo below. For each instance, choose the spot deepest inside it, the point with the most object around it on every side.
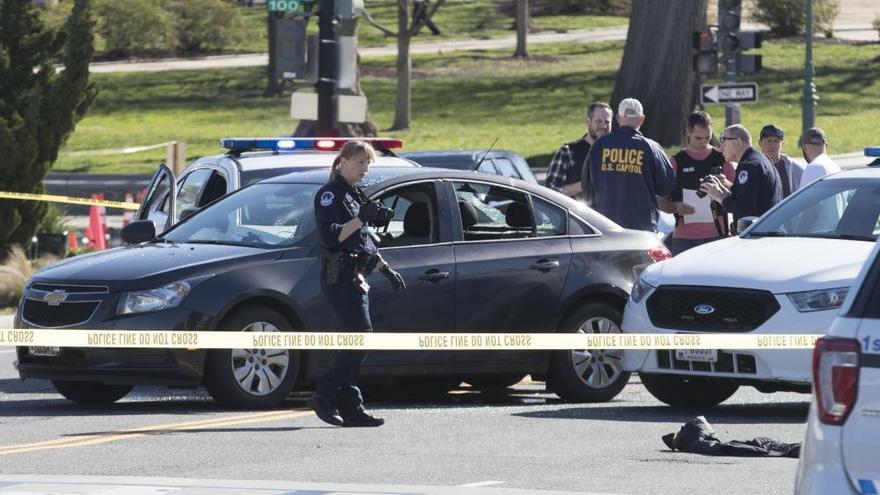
(159, 203)
(512, 256)
(417, 244)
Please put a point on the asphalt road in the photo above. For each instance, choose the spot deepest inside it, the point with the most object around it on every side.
(522, 438)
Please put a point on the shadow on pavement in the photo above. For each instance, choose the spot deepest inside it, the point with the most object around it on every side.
(757, 413)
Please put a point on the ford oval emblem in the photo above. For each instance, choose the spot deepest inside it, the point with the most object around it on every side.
(704, 309)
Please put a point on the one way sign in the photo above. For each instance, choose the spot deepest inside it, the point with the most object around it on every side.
(729, 93)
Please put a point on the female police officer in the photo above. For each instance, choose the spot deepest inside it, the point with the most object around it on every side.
(348, 255)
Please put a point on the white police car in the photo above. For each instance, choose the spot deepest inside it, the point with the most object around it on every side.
(787, 273)
(246, 161)
(843, 428)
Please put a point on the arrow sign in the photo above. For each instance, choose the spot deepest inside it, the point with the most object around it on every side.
(729, 93)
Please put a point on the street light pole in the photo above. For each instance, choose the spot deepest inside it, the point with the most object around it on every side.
(810, 96)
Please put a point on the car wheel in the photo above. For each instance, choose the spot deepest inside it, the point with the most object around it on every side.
(495, 381)
(252, 378)
(91, 392)
(686, 391)
(590, 375)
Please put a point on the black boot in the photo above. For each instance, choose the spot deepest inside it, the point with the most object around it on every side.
(325, 411)
(360, 419)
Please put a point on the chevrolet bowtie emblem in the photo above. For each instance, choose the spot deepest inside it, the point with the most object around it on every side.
(55, 298)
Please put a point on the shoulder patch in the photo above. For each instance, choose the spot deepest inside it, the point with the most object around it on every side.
(742, 177)
(348, 197)
(327, 198)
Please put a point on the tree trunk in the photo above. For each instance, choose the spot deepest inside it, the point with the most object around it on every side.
(403, 103)
(656, 66)
(522, 28)
(273, 86)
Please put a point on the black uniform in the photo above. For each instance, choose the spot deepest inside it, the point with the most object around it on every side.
(335, 204)
(757, 187)
(688, 174)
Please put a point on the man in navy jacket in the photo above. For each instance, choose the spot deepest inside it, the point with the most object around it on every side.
(627, 171)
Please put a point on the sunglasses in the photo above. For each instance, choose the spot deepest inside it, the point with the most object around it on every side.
(727, 138)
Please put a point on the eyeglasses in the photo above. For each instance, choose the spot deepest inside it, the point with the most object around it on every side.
(727, 138)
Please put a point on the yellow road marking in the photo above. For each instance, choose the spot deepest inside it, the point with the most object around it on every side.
(96, 439)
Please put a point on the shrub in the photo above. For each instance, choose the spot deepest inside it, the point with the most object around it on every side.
(15, 271)
(134, 27)
(876, 24)
(789, 17)
(206, 25)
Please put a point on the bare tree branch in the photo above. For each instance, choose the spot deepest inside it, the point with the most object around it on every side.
(376, 25)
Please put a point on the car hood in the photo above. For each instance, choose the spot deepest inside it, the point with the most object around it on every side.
(148, 265)
(778, 265)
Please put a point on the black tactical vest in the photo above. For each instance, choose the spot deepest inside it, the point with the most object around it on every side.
(579, 150)
(689, 171)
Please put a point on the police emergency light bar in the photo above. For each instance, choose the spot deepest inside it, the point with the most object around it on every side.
(872, 151)
(241, 145)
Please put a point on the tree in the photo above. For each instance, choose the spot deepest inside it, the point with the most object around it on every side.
(522, 28)
(656, 66)
(406, 28)
(39, 107)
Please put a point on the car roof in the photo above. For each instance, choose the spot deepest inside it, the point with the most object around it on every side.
(856, 173)
(452, 153)
(267, 160)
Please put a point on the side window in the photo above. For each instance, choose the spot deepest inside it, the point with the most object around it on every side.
(215, 188)
(493, 212)
(506, 168)
(487, 167)
(550, 220)
(415, 216)
(157, 200)
(189, 187)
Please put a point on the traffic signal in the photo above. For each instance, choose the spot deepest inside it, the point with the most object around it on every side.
(732, 41)
(705, 59)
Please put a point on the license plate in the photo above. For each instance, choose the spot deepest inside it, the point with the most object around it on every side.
(701, 355)
(44, 350)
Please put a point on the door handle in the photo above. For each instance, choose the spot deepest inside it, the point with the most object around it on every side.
(545, 265)
(434, 275)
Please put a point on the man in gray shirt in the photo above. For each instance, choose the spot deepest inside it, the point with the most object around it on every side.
(772, 141)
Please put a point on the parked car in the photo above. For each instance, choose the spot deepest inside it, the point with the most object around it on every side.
(496, 162)
(478, 253)
(843, 427)
(247, 160)
(789, 272)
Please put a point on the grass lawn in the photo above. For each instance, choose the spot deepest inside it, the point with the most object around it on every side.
(457, 19)
(460, 99)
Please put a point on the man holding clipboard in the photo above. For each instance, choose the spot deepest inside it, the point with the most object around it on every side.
(698, 219)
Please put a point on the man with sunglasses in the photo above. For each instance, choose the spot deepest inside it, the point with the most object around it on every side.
(757, 187)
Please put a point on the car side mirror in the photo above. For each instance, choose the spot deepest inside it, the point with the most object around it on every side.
(138, 232)
(743, 223)
(186, 213)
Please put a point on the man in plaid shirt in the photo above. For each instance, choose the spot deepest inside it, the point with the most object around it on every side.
(564, 172)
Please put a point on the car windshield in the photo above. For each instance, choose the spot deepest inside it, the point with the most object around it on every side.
(835, 209)
(263, 215)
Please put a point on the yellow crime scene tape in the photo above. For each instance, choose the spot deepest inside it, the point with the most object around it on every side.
(68, 199)
(180, 339)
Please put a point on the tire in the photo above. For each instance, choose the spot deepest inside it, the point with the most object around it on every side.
(589, 375)
(252, 378)
(495, 381)
(91, 392)
(688, 392)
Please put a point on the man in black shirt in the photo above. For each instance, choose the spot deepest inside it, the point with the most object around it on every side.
(757, 187)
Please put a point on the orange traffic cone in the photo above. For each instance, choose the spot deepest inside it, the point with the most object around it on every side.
(71, 240)
(95, 233)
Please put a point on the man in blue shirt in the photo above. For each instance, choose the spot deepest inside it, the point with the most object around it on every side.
(627, 171)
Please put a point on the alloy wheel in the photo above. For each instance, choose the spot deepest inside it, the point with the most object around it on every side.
(260, 371)
(598, 368)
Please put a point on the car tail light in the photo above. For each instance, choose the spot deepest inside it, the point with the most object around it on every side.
(835, 378)
(659, 253)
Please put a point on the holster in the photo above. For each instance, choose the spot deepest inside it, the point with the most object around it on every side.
(332, 265)
(366, 263)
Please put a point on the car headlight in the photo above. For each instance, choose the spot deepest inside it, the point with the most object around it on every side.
(640, 290)
(818, 300)
(142, 301)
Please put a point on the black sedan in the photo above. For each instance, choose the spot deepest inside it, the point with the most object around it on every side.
(479, 253)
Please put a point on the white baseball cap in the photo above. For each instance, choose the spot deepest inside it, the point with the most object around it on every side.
(630, 107)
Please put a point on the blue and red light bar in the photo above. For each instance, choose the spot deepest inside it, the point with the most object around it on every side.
(241, 145)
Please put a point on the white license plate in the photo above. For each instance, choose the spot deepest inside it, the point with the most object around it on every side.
(44, 350)
(701, 355)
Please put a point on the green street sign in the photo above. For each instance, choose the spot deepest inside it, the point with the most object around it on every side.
(289, 6)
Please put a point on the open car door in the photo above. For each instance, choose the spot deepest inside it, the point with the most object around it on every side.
(160, 200)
